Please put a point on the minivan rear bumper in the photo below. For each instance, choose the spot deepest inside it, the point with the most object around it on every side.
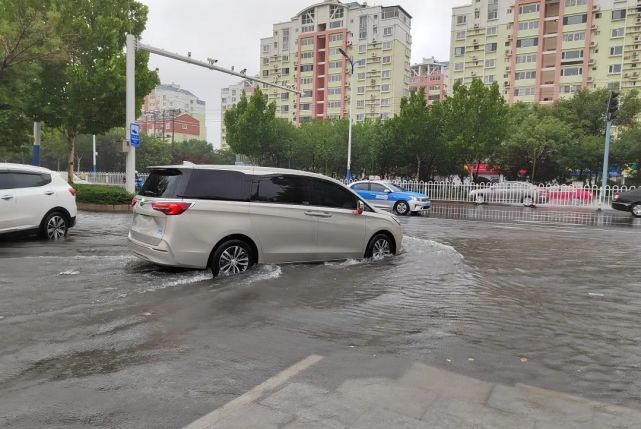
(161, 254)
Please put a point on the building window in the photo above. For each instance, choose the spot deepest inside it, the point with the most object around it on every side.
(528, 8)
(387, 60)
(284, 71)
(527, 43)
(362, 26)
(618, 32)
(461, 19)
(614, 68)
(387, 45)
(307, 55)
(284, 109)
(386, 74)
(333, 104)
(616, 50)
(265, 73)
(335, 37)
(306, 93)
(488, 79)
(361, 76)
(385, 102)
(387, 31)
(167, 126)
(522, 92)
(460, 35)
(362, 49)
(285, 38)
(571, 71)
(528, 25)
(335, 64)
(308, 17)
(618, 14)
(613, 86)
(336, 12)
(525, 75)
(490, 63)
(360, 104)
(334, 51)
(490, 47)
(284, 95)
(307, 41)
(275, 46)
(334, 91)
(336, 24)
(575, 19)
(572, 55)
(459, 51)
(458, 66)
(570, 3)
(385, 115)
(568, 89)
(335, 78)
(305, 106)
(266, 49)
(265, 61)
(285, 58)
(306, 67)
(360, 117)
(360, 90)
(491, 31)
(574, 37)
(306, 81)
(385, 87)
(185, 126)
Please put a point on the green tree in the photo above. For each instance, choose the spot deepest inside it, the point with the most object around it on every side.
(85, 94)
(196, 151)
(474, 120)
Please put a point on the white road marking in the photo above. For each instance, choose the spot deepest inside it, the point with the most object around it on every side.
(208, 420)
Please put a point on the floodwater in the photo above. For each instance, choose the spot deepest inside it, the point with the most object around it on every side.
(92, 336)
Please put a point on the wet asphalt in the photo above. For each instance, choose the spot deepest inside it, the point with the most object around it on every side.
(90, 336)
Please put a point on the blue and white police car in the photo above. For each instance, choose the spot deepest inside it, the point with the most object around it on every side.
(386, 195)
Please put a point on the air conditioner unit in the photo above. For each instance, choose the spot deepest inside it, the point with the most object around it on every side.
(595, 7)
(477, 26)
(508, 52)
(626, 75)
(594, 26)
(473, 73)
(589, 78)
(509, 37)
(475, 42)
(593, 44)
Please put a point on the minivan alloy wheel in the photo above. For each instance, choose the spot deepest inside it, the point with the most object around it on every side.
(381, 249)
(56, 227)
(233, 260)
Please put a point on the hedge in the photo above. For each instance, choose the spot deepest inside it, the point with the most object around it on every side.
(102, 194)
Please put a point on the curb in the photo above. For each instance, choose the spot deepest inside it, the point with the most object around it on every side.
(105, 208)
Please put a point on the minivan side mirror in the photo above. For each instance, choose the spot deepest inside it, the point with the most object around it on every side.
(360, 208)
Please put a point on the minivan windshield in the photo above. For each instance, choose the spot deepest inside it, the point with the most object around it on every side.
(162, 183)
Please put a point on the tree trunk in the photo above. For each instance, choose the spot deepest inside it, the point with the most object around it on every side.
(533, 170)
(71, 153)
(418, 168)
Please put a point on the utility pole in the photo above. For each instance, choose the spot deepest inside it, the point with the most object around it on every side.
(613, 107)
(35, 151)
(130, 167)
(93, 168)
(348, 173)
(173, 127)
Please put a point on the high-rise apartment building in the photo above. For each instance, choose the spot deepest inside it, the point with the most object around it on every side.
(303, 53)
(229, 96)
(541, 50)
(432, 76)
(170, 101)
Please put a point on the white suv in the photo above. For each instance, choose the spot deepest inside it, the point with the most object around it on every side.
(34, 198)
(229, 218)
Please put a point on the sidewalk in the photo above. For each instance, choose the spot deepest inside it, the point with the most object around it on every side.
(386, 392)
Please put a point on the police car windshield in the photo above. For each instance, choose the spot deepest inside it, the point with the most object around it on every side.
(395, 188)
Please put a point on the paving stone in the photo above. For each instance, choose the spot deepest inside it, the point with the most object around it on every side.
(446, 383)
(386, 393)
(253, 416)
(540, 404)
(615, 417)
(294, 396)
(387, 419)
(302, 423)
(476, 415)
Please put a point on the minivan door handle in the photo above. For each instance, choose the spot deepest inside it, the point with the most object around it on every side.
(6, 197)
(318, 214)
(49, 193)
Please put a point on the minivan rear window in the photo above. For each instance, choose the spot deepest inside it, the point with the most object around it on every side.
(164, 183)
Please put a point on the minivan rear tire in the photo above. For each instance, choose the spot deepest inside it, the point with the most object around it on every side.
(54, 226)
(232, 257)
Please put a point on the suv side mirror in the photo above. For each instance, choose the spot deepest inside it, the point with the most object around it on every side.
(360, 208)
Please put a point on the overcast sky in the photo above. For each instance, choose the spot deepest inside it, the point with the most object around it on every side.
(230, 31)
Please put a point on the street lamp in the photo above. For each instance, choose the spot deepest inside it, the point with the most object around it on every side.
(348, 174)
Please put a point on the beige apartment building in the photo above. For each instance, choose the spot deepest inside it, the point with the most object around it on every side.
(541, 50)
(229, 96)
(303, 53)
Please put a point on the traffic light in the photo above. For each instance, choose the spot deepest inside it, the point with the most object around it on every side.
(613, 105)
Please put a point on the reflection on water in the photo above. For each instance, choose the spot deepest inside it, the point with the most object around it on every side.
(537, 215)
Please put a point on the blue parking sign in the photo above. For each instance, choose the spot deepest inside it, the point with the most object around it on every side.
(134, 134)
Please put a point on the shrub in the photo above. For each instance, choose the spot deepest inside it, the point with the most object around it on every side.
(102, 194)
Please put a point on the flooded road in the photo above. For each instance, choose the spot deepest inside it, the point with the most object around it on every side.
(93, 337)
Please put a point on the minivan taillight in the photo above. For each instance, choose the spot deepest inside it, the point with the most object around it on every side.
(133, 201)
(72, 191)
(170, 208)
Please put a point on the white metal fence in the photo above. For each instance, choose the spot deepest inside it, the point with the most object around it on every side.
(544, 195)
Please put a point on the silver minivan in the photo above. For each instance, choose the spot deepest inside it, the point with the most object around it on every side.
(229, 218)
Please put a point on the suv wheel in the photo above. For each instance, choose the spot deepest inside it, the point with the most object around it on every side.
(54, 226)
(636, 210)
(232, 257)
(379, 247)
(402, 208)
